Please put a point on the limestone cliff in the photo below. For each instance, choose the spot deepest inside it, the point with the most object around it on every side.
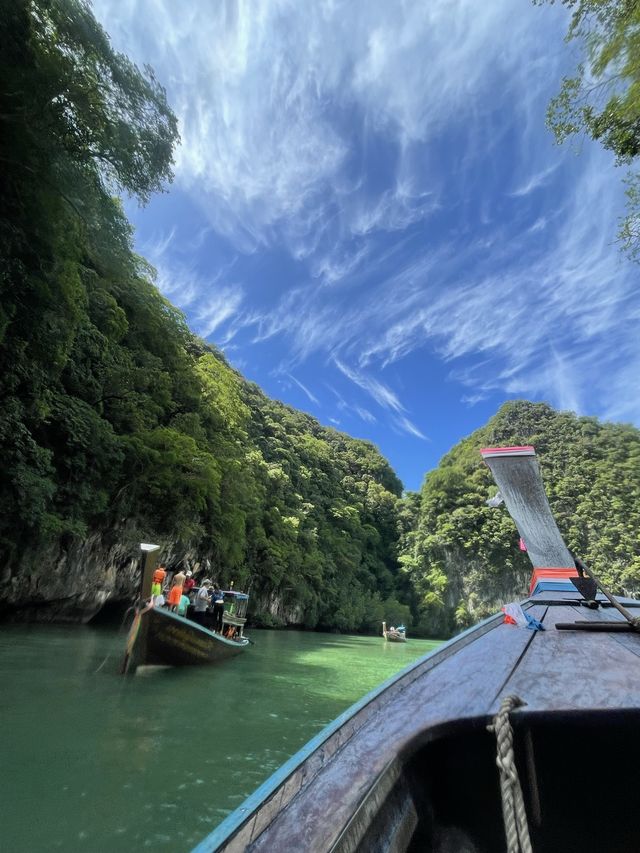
(72, 581)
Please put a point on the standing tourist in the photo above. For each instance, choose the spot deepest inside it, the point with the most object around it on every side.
(176, 591)
(202, 602)
(158, 579)
(218, 608)
(183, 605)
(188, 584)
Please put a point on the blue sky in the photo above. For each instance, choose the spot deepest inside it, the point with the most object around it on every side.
(370, 218)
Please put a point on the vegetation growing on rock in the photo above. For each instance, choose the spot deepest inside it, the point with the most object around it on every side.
(111, 409)
(116, 423)
(463, 556)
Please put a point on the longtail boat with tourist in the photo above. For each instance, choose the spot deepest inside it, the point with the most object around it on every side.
(394, 635)
(548, 690)
(161, 637)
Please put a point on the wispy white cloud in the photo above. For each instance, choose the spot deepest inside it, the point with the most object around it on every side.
(333, 267)
(260, 90)
(211, 300)
(304, 388)
(364, 414)
(383, 395)
(397, 153)
(535, 182)
(549, 323)
(539, 225)
(220, 307)
(473, 399)
(394, 210)
(407, 426)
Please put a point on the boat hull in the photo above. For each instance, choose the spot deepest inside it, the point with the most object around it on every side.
(391, 639)
(426, 777)
(158, 637)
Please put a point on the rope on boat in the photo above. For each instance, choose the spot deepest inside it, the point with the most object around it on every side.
(513, 811)
(122, 624)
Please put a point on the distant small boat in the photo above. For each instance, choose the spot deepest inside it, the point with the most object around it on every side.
(159, 637)
(394, 635)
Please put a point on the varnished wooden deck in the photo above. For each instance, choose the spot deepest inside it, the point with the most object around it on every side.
(311, 803)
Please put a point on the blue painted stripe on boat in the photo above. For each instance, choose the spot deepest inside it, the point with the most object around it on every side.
(234, 821)
(558, 586)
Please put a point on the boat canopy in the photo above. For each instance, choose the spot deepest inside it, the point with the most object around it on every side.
(236, 603)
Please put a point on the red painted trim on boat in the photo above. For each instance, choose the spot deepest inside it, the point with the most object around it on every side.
(551, 572)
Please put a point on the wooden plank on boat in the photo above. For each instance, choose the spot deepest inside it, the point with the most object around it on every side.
(602, 619)
(630, 641)
(601, 614)
(568, 670)
(520, 482)
(461, 686)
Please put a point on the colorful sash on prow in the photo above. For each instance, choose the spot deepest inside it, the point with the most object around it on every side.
(517, 475)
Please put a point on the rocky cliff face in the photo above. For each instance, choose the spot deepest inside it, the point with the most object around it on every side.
(73, 581)
(272, 611)
(70, 582)
(476, 590)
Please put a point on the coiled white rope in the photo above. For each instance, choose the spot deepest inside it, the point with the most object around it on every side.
(514, 814)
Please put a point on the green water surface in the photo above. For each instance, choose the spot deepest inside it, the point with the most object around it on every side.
(91, 761)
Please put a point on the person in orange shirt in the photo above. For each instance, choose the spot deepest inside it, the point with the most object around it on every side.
(158, 579)
(176, 591)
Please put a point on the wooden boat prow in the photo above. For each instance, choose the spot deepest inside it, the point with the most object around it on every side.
(426, 779)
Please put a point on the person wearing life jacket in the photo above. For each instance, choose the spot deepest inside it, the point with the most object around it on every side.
(156, 586)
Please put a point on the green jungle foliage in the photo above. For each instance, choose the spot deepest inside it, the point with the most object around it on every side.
(110, 409)
(463, 556)
(602, 98)
(113, 414)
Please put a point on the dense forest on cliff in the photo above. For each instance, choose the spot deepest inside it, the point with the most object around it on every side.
(114, 417)
(463, 556)
(117, 424)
